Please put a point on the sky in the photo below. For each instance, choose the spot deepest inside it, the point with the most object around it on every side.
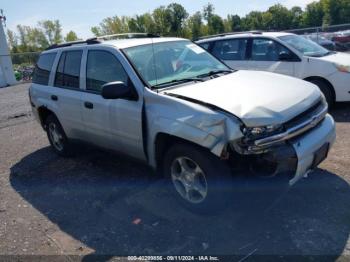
(81, 15)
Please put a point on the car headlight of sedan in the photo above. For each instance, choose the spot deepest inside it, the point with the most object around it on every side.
(253, 133)
(342, 68)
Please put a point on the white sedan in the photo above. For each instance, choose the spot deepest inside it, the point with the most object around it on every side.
(287, 54)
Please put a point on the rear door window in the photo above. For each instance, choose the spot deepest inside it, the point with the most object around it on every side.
(68, 70)
(43, 69)
(231, 49)
(267, 50)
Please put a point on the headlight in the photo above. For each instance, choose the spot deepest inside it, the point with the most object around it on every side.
(262, 131)
(342, 68)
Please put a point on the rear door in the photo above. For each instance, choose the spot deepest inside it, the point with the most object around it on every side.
(117, 123)
(66, 92)
(264, 55)
(232, 52)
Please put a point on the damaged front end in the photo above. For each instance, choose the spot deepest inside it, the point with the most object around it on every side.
(275, 150)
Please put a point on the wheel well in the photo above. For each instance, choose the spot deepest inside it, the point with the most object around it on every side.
(309, 79)
(43, 114)
(163, 142)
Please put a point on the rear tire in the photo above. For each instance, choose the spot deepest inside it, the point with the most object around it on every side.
(57, 138)
(326, 90)
(197, 178)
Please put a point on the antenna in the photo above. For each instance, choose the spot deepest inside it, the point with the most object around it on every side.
(2, 17)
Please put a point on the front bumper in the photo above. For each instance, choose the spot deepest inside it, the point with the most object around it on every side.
(291, 159)
(306, 146)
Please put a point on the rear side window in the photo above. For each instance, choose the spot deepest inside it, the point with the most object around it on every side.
(43, 69)
(103, 67)
(68, 70)
(267, 50)
(233, 49)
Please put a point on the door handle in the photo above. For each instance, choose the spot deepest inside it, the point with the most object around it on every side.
(89, 105)
(54, 98)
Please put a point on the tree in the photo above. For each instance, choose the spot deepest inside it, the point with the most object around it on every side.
(195, 24)
(253, 21)
(161, 20)
(12, 40)
(216, 25)
(176, 15)
(233, 23)
(52, 31)
(71, 36)
(142, 24)
(208, 12)
(112, 25)
(281, 17)
(297, 16)
(313, 15)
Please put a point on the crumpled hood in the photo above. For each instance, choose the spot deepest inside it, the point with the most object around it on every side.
(338, 58)
(257, 98)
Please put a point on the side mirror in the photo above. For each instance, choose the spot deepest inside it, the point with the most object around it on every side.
(284, 56)
(118, 90)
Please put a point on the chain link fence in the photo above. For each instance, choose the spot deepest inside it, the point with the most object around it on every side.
(23, 65)
(334, 38)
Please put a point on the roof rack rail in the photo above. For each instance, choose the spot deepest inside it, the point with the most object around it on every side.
(90, 41)
(126, 36)
(99, 39)
(255, 32)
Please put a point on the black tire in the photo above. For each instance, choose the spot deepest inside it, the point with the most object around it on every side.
(217, 174)
(63, 147)
(326, 90)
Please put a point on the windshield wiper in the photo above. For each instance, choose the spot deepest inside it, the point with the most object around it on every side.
(179, 81)
(216, 72)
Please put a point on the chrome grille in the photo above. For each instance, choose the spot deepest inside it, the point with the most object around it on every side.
(306, 115)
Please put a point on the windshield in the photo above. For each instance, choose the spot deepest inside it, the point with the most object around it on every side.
(305, 46)
(171, 62)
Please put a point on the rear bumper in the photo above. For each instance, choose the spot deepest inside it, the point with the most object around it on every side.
(306, 146)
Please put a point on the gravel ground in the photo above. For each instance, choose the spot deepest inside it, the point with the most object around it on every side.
(98, 203)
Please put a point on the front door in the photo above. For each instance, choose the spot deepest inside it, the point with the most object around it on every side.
(266, 56)
(117, 123)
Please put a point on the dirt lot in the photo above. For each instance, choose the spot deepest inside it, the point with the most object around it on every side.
(100, 203)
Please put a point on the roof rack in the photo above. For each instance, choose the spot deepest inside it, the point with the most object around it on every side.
(100, 39)
(256, 32)
(126, 36)
(89, 41)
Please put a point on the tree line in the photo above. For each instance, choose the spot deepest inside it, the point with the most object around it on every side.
(174, 20)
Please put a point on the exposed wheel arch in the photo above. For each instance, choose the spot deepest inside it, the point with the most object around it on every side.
(44, 112)
(329, 84)
(163, 142)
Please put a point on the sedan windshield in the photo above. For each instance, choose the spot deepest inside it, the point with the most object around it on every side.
(305, 46)
(173, 62)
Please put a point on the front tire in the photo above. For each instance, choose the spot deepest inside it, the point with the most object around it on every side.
(57, 138)
(198, 179)
(326, 90)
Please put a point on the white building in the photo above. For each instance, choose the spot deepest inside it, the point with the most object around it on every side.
(7, 76)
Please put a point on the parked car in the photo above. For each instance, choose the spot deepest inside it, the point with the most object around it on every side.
(288, 54)
(342, 37)
(322, 41)
(202, 125)
(342, 40)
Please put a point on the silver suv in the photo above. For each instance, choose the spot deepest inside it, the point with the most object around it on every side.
(171, 104)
